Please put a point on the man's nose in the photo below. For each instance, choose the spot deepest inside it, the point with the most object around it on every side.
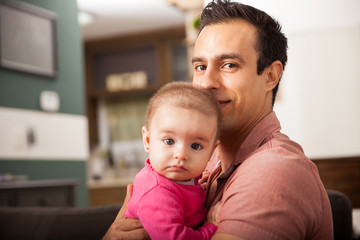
(211, 80)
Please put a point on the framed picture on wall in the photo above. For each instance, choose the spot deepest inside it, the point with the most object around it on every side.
(28, 38)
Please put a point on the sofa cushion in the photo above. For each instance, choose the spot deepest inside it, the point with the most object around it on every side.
(56, 223)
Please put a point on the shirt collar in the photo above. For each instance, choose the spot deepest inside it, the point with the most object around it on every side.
(260, 134)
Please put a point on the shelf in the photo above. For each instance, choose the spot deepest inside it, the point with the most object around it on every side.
(162, 55)
(109, 183)
(125, 94)
(39, 183)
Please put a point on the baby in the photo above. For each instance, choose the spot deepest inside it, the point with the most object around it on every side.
(180, 134)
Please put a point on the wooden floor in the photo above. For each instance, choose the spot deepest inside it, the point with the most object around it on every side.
(342, 174)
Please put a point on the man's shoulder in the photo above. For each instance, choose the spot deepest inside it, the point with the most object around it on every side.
(279, 147)
(277, 180)
(277, 159)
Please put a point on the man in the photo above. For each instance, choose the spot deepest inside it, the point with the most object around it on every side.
(264, 184)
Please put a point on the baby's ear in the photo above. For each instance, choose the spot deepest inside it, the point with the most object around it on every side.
(146, 138)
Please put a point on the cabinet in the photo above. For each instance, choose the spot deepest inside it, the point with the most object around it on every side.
(47, 193)
(162, 55)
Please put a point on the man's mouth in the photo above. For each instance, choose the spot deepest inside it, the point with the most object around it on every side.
(223, 103)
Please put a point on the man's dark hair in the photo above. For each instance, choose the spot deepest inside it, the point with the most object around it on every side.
(271, 43)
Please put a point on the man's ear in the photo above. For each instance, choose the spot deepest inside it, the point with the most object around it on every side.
(216, 144)
(146, 138)
(273, 73)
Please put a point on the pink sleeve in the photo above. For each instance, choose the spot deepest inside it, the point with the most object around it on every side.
(161, 213)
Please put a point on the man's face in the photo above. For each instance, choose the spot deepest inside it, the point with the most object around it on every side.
(225, 62)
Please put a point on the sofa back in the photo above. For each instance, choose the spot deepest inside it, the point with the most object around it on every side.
(56, 223)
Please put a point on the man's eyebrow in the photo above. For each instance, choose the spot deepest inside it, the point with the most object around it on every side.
(231, 56)
(221, 57)
(196, 59)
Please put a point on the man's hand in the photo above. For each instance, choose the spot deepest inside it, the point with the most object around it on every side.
(126, 228)
(213, 214)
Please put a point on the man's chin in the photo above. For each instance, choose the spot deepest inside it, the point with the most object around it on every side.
(225, 125)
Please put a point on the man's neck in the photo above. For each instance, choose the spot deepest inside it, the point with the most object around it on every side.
(230, 142)
(228, 147)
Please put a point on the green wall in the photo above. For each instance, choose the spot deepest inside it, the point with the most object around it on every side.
(22, 90)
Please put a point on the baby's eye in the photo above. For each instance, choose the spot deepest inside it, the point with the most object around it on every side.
(169, 141)
(196, 146)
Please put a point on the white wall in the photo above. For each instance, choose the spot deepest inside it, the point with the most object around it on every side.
(319, 98)
(56, 136)
(320, 93)
(305, 15)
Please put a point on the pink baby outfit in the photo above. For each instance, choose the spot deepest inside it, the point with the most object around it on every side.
(168, 210)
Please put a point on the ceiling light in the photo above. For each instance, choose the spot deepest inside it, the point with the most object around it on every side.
(85, 18)
(187, 4)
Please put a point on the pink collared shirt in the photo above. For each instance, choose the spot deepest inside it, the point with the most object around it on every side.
(272, 191)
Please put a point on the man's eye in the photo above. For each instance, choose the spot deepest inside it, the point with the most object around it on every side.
(196, 146)
(169, 141)
(200, 68)
(229, 65)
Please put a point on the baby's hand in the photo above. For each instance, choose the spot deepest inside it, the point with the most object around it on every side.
(204, 178)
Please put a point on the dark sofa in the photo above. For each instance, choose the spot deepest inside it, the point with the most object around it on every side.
(92, 222)
(42, 223)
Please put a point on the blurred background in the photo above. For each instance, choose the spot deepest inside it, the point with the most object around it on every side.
(76, 76)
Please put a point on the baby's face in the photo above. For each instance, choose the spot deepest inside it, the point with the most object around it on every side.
(181, 142)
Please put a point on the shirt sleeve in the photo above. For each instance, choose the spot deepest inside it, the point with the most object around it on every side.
(161, 213)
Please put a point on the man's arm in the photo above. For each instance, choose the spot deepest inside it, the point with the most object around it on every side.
(213, 217)
(222, 236)
(126, 228)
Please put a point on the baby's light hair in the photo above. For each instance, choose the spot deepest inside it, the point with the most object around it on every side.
(184, 95)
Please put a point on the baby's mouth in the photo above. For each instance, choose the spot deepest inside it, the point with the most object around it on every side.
(177, 168)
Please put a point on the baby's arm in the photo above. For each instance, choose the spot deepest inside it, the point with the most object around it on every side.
(162, 215)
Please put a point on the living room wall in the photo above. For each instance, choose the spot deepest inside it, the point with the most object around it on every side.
(20, 93)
